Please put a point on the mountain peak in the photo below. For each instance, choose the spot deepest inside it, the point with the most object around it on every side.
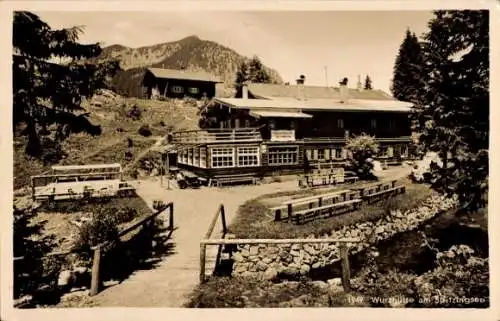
(191, 53)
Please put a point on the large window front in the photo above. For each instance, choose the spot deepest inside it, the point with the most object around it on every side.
(190, 156)
(203, 157)
(283, 155)
(248, 156)
(196, 157)
(222, 157)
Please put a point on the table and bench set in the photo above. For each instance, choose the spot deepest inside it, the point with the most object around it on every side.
(306, 209)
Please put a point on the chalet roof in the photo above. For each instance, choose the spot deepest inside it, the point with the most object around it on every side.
(293, 105)
(183, 74)
(279, 114)
(312, 92)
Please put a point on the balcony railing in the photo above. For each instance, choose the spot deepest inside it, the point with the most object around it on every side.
(282, 135)
(217, 136)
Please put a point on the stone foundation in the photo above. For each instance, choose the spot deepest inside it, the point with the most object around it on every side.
(268, 260)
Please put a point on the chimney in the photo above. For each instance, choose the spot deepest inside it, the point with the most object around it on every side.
(244, 91)
(301, 80)
(360, 85)
(343, 90)
(300, 87)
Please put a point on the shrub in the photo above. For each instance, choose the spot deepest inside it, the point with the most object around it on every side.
(103, 227)
(459, 274)
(134, 113)
(361, 150)
(190, 101)
(145, 131)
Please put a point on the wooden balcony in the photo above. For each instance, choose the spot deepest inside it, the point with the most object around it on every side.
(240, 135)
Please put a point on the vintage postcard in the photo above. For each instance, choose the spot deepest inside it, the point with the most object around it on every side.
(319, 159)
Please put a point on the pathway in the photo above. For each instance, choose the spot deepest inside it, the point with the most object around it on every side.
(177, 274)
(168, 284)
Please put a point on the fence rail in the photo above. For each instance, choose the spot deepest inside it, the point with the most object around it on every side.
(203, 249)
(95, 280)
(344, 245)
(217, 135)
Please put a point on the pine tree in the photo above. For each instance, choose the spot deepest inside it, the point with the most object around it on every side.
(47, 94)
(241, 75)
(368, 83)
(408, 69)
(256, 72)
(454, 108)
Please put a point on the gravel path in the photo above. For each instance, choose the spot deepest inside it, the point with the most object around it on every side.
(177, 274)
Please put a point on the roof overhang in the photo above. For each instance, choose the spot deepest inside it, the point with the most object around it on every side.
(278, 114)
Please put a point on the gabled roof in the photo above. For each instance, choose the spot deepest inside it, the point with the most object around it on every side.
(312, 92)
(290, 104)
(183, 74)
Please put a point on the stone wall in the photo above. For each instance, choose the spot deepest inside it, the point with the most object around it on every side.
(267, 260)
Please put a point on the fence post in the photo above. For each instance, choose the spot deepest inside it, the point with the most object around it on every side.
(203, 250)
(96, 262)
(346, 272)
(289, 210)
(277, 215)
(171, 218)
(223, 218)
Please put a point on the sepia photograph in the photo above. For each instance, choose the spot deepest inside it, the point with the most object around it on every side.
(250, 159)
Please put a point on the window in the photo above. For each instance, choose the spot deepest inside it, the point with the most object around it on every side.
(222, 157)
(190, 156)
(374, 123)
(193, 90)
(283, 155)
(203, 157)
(248, 156)
(340, 123)
(321, 154)
(196, 157)
(309, 154)
(327, 154)
(177, 89)
(392, 124)
(247, 123)
(315, 154)
(336, 153)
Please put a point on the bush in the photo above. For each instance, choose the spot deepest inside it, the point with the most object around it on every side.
(134, 113)
(145, 131)
(361, 150)
(190, 101)
(103, 227)
(459, 274)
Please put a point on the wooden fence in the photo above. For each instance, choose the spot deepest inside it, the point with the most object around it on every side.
(222, 214)
(95, 281)
(343, 247)
(98, 249)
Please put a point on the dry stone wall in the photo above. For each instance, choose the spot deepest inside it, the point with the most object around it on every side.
(269, 260)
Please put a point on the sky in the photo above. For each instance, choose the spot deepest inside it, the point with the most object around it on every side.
(347, 43)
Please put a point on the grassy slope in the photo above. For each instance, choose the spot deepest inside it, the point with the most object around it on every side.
(111, 145)
(254, 220)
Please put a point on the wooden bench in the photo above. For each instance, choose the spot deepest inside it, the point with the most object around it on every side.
(392, 191)
(229, 179)
(311, 201)
(325, 179)
(307, 215)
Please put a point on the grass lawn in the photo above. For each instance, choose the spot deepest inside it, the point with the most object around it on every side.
(225, 292)
(254, 220)
(110, 146)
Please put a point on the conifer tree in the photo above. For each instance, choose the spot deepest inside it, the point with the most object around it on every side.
(453, 110)
(368, 83)
(408, 71)
(49, 94)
